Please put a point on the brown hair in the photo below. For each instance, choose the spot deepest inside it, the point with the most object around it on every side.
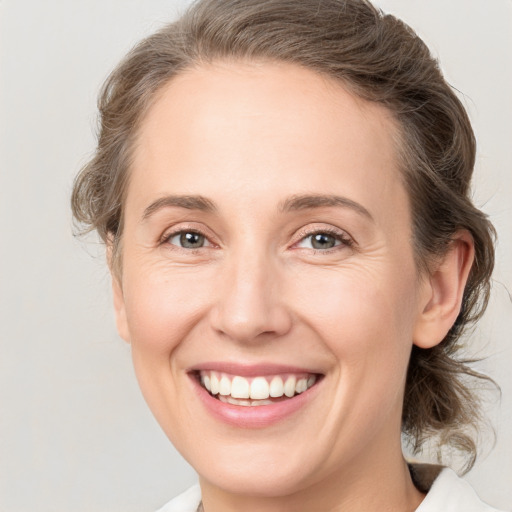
(378, 58)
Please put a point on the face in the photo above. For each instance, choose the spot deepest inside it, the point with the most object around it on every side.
(267, 256)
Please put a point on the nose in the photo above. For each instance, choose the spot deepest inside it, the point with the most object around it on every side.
(249, 304)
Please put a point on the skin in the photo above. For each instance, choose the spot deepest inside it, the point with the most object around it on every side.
(248, 136)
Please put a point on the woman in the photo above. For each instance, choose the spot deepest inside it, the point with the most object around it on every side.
(283, 189)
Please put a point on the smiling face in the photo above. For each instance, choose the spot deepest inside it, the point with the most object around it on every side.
(267, 237)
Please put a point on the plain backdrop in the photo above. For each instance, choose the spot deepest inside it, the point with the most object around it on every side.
(75, 433)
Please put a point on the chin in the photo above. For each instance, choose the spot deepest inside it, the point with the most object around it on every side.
(263, 468)
(259, 480)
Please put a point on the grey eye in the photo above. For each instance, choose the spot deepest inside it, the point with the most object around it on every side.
(188, 240)
(320, 241)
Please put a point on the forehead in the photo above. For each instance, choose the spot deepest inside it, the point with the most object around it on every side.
(261, 129)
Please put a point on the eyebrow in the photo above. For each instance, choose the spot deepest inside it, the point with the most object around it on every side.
(311, 201)
(188, 202)
(291, 204)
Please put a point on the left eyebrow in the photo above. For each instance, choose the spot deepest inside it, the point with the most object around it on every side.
(310, 201)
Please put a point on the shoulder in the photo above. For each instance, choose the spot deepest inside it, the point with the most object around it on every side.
(448, 492)
(185, 502)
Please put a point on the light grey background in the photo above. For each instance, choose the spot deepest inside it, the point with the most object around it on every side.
(74, 431)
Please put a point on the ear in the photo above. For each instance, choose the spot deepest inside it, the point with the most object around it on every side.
(441, 296)
(117, 294)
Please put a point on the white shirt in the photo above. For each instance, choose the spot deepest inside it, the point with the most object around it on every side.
(448, 493)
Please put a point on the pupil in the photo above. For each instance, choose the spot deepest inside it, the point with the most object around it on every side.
(191, 240)
(323, 241)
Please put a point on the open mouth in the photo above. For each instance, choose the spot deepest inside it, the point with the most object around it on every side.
(257, 390)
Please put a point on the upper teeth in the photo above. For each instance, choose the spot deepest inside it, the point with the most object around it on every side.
(256, 388)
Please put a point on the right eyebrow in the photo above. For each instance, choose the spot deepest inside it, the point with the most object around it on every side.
(188, 202)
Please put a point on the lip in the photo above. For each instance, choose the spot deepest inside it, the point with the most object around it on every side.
(258, 416)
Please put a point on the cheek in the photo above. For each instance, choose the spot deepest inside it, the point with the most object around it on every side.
(161, 307)
(365, 319)
(355, 302)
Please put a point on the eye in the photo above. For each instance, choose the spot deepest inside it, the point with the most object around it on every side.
(324, 240)
(187, 239)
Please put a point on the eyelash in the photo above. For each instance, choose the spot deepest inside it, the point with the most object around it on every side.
(338, 235)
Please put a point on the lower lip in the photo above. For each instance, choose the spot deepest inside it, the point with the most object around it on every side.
(259, 416)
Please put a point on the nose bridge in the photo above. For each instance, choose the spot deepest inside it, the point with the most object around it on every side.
(249, 303)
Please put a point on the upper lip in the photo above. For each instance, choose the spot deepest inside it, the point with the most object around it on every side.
(250, 370)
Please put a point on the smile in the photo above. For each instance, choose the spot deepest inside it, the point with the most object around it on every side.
(254, 395)
(257, 390)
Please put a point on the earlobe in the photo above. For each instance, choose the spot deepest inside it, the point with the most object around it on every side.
(442, 293)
